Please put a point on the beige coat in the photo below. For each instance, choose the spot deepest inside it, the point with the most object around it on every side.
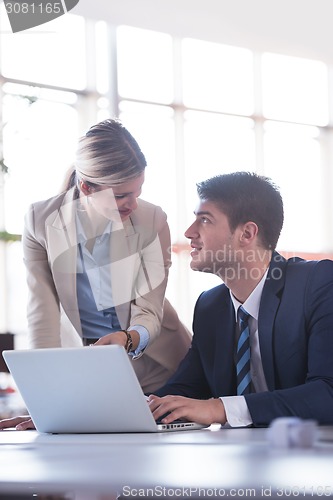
(139, 264)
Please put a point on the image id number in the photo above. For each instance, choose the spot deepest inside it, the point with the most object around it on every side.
(34, 8)
(295, 491)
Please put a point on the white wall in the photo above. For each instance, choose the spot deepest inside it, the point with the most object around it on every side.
(298, 27)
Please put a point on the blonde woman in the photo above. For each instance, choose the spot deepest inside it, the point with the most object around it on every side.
(97, 260)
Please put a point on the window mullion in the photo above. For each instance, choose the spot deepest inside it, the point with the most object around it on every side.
(3, 267)
(258, 113)
(112, 65)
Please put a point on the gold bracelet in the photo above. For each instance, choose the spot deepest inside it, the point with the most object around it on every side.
(129, 341)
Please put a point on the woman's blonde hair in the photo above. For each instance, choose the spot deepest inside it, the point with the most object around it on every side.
(107, 155)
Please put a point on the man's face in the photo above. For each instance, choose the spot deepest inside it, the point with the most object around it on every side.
(215, 247)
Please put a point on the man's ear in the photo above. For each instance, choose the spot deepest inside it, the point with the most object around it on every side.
(249, 232)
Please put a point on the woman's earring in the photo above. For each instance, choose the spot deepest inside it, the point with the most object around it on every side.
(85, 190)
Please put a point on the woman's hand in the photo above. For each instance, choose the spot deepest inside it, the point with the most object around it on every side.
(119, 338)
(21, 423)
(206, 412)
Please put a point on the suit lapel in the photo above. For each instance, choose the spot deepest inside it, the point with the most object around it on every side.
(269, 305)
(224, 366)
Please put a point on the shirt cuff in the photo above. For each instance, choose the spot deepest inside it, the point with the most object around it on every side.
(143, 342)
(236, 410)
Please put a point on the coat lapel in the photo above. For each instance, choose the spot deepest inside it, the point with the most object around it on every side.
(222, 325)
(124, 258)
(269, 305)
(225, 350)
(62, 246)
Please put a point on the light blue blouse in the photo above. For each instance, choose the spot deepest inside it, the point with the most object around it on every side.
(94, 289)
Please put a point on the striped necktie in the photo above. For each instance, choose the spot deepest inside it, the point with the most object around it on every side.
(243, 354)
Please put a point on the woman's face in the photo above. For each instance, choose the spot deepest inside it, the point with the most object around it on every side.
(118, 200)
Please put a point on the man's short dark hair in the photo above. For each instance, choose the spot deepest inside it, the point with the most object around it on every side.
(247, 196)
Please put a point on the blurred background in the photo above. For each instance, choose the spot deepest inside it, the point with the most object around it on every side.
(206, 87)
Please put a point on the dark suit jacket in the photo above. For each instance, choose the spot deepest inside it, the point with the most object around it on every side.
(296, 342)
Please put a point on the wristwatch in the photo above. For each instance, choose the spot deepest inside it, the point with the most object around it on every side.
(129, 341)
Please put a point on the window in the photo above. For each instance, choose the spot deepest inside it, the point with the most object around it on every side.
(39, 139)
(54, 57)
(295, 89)
(212, 147)
(145, 69)
(196, 108)
(39, 145)
(153, 128)
(217, 77)
(292, 159)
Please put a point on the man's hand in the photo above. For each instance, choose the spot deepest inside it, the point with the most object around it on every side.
(204, 412)
(20, 423)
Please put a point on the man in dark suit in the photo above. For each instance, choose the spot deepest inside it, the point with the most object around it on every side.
(287, 368)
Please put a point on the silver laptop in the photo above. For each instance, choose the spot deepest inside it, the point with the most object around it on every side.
(83, 390)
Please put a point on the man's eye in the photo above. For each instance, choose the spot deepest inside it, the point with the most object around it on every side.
(119, 196)
(204, 220)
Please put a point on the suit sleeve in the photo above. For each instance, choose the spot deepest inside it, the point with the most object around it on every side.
(190, 379)
(312, 397)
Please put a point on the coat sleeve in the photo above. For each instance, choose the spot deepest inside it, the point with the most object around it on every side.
(43, 310)
(147, 308)
(190, 379)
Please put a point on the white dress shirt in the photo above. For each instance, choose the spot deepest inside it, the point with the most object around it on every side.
(236, 408)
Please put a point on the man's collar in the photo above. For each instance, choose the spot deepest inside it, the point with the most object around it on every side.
(252, 303)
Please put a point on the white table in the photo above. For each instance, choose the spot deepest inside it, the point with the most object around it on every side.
(191, 464)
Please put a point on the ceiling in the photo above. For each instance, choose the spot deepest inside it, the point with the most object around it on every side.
(297, 27)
